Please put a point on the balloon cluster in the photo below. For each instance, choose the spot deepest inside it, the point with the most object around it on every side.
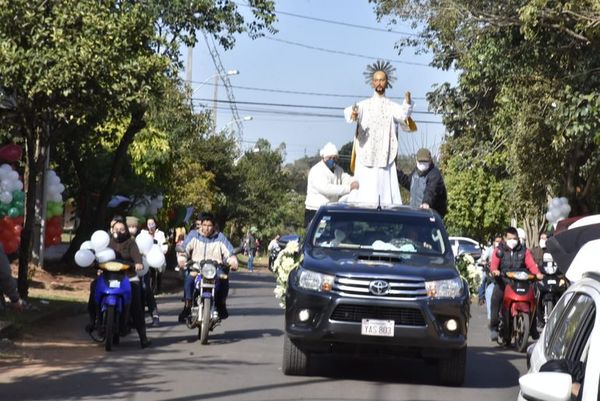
(147, 207)
(152, 255)
(54, 209)
(97, 249)
(558, 209)
(12, 200)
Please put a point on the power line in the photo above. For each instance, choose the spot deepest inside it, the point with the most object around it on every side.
(303, 114)
(287, 105)
(302, 92)
(278, 12)
(344, 53)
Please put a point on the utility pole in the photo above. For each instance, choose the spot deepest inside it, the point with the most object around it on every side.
(188, 67)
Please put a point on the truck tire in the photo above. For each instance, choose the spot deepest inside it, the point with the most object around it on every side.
(295, 360)
(451, 371)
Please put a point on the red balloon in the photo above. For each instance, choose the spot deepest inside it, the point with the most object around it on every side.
(56, 220)
(11, 153)
(20, 220)
(17, 229)
(11, 246)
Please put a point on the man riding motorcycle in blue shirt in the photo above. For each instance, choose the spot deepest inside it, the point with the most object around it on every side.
(209, 244)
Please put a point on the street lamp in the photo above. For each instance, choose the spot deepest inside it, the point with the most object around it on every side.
(228, 74)
(235, 120)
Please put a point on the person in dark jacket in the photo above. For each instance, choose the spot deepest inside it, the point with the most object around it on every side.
(8, 285)
(126, 250)
(426, 185)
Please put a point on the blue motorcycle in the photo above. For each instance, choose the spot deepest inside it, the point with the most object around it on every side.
(112, 296)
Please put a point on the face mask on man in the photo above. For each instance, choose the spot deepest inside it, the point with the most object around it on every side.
(512, 243)
(151, 226)
(423, 166)
(542, 243)
(330, 164)
(121, 237)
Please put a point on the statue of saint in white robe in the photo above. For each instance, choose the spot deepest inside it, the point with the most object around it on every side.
(376, 147)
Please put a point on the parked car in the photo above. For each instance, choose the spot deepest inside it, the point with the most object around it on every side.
(571, 338)
(462, 245)
(377, 281)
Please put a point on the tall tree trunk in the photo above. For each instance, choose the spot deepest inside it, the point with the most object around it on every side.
(36, 151)
(136, 124)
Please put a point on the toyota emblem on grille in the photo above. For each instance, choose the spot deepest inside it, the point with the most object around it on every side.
(379, 287)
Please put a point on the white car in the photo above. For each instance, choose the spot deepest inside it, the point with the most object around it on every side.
(465, 245)
(572, 333)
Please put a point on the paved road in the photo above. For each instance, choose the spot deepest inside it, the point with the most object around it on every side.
(242, 362)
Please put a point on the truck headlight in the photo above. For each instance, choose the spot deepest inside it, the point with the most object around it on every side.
(451, 288)
(315, 281)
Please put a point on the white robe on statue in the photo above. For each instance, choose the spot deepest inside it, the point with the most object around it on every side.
(376, 147)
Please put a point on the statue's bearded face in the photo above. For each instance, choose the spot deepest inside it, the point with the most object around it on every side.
(379, 82)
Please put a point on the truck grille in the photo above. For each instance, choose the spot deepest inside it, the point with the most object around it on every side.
(400, 316)
(401, 288)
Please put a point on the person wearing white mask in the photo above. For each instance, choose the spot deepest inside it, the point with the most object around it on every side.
(511, 255)
(539, 251)
(327, 182)
(426, 185)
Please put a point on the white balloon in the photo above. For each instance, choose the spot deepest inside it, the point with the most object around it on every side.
(100, 240)
(13, 176)
(86, 245)
(84, 257)
(144, 242)
(15, 185)
(155, 257)
(555, 214)
(6, 168)
(563, 200)
(565, 209)
(556, 202)
(105, 255)
(5, 197)
(60, 188)
(549, 217)
(143, 272)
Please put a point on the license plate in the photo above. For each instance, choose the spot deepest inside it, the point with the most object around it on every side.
(114, 283)
(373, 327)
(551, 281)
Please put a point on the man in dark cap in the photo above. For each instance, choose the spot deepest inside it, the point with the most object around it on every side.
(426, 185)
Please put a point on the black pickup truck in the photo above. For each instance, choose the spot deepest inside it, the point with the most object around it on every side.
(377, 281)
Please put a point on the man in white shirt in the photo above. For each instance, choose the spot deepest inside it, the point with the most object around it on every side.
(376, 142)
(327, 182)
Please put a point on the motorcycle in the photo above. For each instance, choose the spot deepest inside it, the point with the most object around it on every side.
(209, 279)
(112, 296)
(549, 289)
(518, 309)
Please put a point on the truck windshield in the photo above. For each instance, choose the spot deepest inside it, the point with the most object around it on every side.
(385, 232)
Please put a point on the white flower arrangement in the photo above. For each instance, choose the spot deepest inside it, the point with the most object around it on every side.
(467, 268)
(287, 260)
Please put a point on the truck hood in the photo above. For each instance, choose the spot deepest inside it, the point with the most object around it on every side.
(371, 263)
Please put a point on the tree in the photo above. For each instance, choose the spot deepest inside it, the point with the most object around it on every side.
(524, 114)
(76, 65)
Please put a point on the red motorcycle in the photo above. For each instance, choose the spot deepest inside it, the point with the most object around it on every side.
(518, 309)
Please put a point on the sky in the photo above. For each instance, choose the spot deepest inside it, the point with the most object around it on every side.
(287, 69)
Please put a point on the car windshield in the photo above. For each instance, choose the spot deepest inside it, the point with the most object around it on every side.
(384, 232)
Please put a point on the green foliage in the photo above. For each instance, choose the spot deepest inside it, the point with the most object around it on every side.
(523, 117)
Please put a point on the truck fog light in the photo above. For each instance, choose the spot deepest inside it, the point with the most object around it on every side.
(304, 315)
(451, 325)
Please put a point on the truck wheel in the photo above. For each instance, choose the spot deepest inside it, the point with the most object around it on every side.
(451, 371)
(295, 360)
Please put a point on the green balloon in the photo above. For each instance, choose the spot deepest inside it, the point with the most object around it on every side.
(13, 212)
(18, 196)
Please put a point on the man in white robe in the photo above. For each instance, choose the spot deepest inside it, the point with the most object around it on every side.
(327, 182)
(376, 144)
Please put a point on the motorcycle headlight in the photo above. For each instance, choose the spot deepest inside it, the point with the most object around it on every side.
(209, 271)
(451, 288)
(550, 268)
(315, 281)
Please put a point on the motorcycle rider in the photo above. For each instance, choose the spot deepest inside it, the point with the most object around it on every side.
(273, 249)
(125, 250)
(511, 255)
(209, 244)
